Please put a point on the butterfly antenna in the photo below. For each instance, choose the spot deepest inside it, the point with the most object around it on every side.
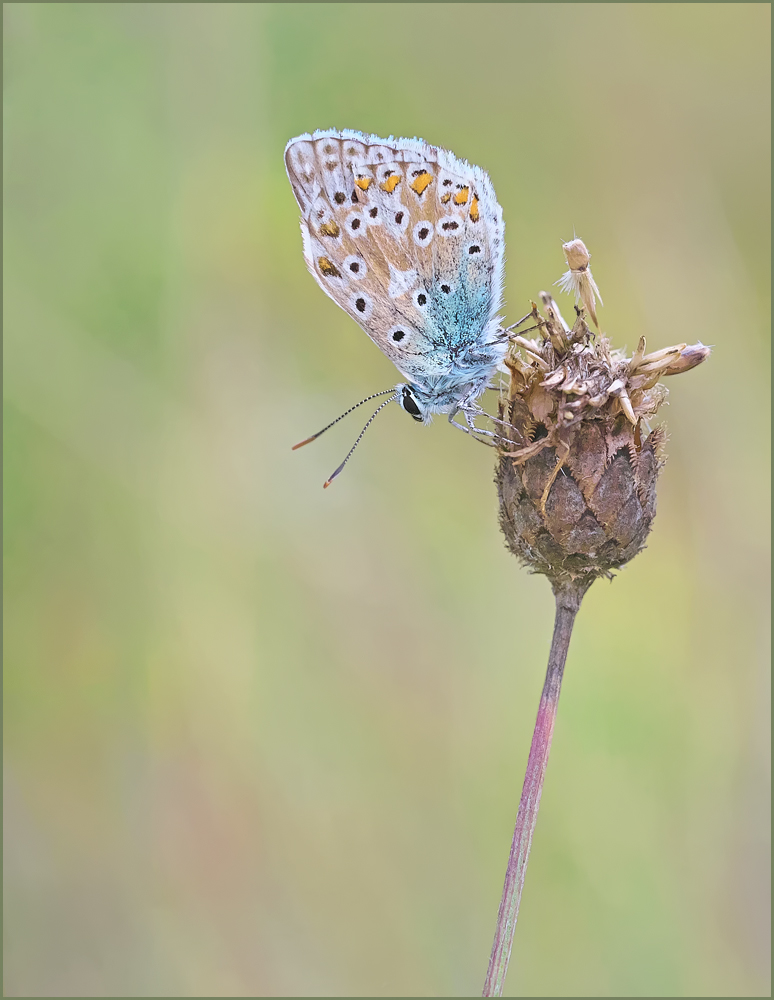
(371, 419)
(315, 436)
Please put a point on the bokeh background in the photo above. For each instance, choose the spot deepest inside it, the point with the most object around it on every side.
(263, 740)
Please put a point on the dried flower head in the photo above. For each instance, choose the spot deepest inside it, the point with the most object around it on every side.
(579, 280)
(578, 464)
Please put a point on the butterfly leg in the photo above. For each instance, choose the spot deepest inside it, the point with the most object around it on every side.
(509, 334)
(477, 411)
(506, 333)
(473, 433)
(496, 420)
(523, 319)
(471, 428)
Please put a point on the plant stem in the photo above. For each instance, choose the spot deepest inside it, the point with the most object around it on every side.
(568, 599)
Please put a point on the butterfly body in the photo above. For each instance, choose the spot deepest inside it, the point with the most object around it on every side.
(409, 240)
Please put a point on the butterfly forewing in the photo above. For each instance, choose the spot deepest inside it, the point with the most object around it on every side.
(407, 239)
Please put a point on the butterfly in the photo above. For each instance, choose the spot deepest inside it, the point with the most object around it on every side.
(409, 240)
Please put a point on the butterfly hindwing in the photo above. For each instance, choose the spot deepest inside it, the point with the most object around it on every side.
(406, 238)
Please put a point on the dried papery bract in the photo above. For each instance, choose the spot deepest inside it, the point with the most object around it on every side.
(576, 478)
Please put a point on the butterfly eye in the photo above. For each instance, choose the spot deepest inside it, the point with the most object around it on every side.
(409, 404)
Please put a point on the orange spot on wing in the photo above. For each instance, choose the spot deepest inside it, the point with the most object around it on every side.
(461, 196)
(445, 198)
(421, 182)
(329, 229)
(474, 209)
(390, 183)
(330, 270)
(364, 183)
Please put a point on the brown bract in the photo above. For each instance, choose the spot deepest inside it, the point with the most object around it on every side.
(578, 464)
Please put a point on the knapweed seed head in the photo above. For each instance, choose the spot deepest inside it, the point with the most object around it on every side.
(578, 463)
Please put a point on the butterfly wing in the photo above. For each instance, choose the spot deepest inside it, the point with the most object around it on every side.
(406, 238)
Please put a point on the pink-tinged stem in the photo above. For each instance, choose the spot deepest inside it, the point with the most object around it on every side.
(568, 600)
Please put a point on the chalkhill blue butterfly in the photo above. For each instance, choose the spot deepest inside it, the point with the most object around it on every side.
(409, 240)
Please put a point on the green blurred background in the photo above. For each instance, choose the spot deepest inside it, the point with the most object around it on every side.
(263, 740)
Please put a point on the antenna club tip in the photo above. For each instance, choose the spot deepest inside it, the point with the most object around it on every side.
(302, 443)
